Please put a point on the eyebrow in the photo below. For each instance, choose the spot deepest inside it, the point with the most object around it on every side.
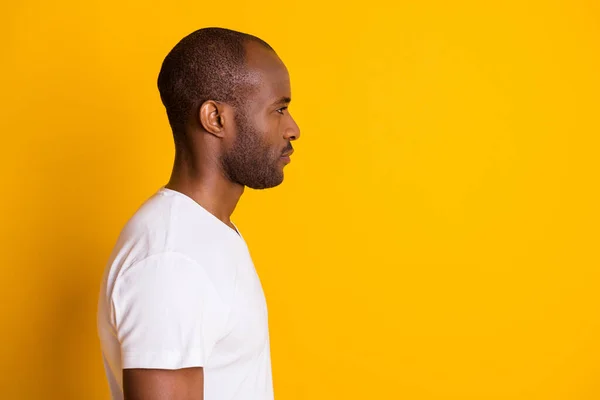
(283, 100)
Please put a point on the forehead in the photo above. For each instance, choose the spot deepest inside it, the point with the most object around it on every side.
(270, 76)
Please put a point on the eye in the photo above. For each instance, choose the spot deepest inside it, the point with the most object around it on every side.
(281, 110)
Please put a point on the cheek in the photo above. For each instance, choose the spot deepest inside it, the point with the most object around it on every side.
(270, 133)
(277, 127)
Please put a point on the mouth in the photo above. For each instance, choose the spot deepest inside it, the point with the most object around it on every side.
(287, 153)
(285, 157)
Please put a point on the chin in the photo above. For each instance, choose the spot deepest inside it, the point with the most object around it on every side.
(267, 184)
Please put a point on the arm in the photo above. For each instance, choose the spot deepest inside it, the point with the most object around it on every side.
(163, 384)
(168, 317)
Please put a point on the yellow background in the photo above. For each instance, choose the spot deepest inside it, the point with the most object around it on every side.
(437, 233)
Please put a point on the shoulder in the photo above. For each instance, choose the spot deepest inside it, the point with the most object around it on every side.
(162, 269)
(170, 232)
(164, 278)
(165, 223)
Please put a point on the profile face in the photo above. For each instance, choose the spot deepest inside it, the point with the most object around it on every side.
(261, 146)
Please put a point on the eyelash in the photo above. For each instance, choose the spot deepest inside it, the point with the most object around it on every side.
(280, 110)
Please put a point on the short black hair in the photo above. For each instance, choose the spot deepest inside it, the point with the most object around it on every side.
(208, 64)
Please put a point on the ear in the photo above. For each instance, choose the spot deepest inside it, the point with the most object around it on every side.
(212, 117)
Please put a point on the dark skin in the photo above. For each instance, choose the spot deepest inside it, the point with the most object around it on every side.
(198, 172)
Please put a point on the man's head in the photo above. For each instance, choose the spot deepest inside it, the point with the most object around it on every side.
(226, 94)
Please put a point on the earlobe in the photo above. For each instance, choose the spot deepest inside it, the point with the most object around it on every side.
(211, 118)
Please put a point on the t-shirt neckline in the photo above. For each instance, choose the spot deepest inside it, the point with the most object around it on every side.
(235, 231)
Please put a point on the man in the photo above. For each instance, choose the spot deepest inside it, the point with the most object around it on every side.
(182, 314)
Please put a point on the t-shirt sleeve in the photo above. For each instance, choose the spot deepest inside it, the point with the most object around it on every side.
(168, 314)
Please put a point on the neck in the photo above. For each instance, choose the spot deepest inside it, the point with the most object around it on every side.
(206, 185)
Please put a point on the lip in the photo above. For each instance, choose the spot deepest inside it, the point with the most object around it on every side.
(285, 157)
(288, 154)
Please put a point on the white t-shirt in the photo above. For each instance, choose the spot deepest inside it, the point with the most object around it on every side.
(180, 290)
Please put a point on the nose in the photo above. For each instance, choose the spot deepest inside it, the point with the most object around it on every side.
(292, 131)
